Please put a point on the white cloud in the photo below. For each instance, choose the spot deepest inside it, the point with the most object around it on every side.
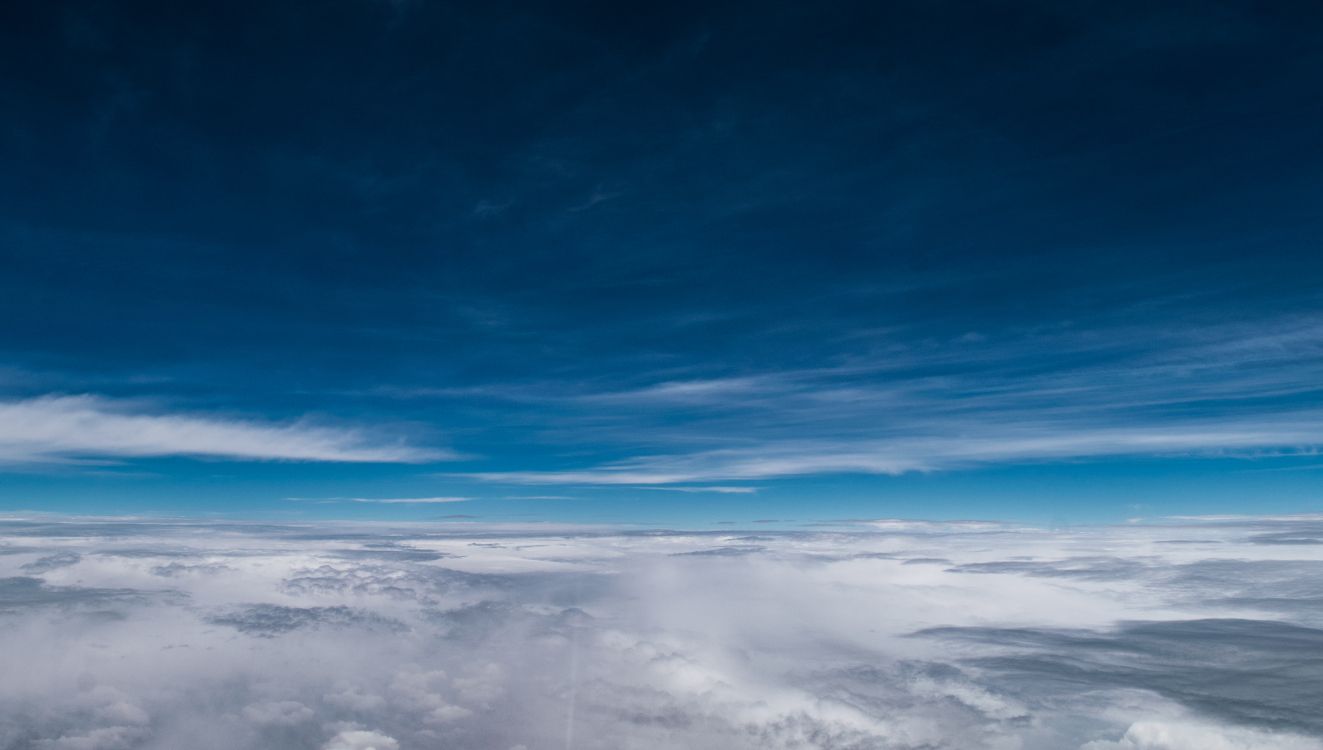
(70, 428)
(540, 497)
(960, 635)
(913, 453)
(690, 391)
(1194, 735)
(410, 500)
(358, 739)
(947, 404)
(104, 738)
(723, 489)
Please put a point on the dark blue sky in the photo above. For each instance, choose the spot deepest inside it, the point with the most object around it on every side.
(1014, 259)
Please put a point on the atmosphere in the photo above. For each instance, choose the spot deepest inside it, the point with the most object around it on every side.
(685, 263)
(523, 375)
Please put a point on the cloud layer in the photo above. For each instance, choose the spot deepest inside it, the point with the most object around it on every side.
(1189, 635)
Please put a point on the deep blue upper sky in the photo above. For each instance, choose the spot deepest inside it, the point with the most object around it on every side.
(1043, 259)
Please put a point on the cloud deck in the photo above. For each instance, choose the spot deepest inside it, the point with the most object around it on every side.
(1185, 635)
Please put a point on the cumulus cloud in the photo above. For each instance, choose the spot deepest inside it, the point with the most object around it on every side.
(894, 634)
(67, 428)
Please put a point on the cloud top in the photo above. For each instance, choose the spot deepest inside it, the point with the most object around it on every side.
(970, 635)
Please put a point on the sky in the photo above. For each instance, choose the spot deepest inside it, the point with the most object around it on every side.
(686, 265)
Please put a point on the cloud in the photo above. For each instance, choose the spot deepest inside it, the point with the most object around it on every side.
(917, 453)
(52, 562)
(715, 489)
(104, 738)
(273, 619)
(598, 195)
(279, 713)
(70, 428)
(171, 570)
(410, 500)
(690, 391)
(540, 497)
(1196, 735)
(965, 635)
(358, 739)
(1121, 391)
(1247, 671)
(21, 593)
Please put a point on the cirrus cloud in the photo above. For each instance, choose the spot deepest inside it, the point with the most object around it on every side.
(72, 428)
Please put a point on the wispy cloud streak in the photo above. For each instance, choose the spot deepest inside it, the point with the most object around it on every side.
(1230, 389)
(72, 428)
(410, 500)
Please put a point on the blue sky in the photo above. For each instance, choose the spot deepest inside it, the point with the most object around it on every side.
(693, 264)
